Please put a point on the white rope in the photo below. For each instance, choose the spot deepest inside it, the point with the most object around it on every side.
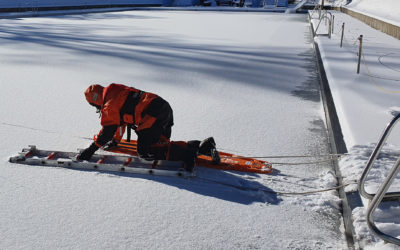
(277, 192)
(288, 156)
(372, 78)
(300, 163)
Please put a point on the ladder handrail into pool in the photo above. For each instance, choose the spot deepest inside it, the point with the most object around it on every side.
(370, 163)
(325, 17)
(318, 8)
(377, 200)
(382, 194)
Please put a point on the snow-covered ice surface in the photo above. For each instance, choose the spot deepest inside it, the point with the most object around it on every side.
(248, 79)
(365, 103)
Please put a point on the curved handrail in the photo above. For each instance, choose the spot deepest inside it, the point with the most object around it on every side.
(374, 155)
(377, 200)
(325, 16)
(316, 7)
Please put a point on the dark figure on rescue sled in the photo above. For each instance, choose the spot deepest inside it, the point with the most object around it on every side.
(149, 115)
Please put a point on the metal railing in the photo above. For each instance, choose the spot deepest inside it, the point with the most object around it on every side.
(327, 19)
(322, 15)
(377, 200)
(318, 8)
(370, 163)
(382, 194)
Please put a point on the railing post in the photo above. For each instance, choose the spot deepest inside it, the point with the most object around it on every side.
(341, 40)
(319, 12)
(330, 29)
(359, 54)
(333, 22)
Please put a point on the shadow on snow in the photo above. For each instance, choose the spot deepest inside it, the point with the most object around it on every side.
(271, 67)
(213, 183)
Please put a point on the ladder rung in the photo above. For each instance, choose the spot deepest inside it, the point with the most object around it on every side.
(51, 156)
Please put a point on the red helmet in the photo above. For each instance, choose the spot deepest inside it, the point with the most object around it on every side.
(94, 95)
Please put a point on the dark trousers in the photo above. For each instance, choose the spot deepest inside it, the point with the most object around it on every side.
(154, 143)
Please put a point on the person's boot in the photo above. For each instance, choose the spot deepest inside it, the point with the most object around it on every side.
(183, 152)
(208, 147)
(194, 144)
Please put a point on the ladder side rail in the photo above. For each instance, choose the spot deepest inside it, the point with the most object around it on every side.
(316, 7)
(370, 163)
(324, 17)
(377, 200)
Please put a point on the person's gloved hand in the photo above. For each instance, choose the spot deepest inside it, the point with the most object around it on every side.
(87, 153)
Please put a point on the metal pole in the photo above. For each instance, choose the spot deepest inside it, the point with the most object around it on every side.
(319, 12)
(333, 22)
(330, 29)
(341, 40)
(359, 54)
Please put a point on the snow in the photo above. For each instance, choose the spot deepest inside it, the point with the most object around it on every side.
(248, 79)
(296, 7)
(239, 77)
(64, 3)
(365, 103)
(387, 10)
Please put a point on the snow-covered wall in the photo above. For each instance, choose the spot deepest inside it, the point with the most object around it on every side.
(381, 9)
(66, 3)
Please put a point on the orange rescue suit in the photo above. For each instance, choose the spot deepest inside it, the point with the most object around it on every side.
(114, 98)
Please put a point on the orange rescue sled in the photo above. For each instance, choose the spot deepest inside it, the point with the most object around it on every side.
(228, 161)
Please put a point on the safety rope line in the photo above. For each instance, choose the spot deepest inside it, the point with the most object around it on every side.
(288, 156)
(371, 77)
(237, 186)
(390, 67)
(255, 157)
(300, 163)
(385, 78)
(43, 130)
(276, 192)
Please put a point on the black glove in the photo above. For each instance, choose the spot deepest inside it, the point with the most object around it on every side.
(87, 153)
